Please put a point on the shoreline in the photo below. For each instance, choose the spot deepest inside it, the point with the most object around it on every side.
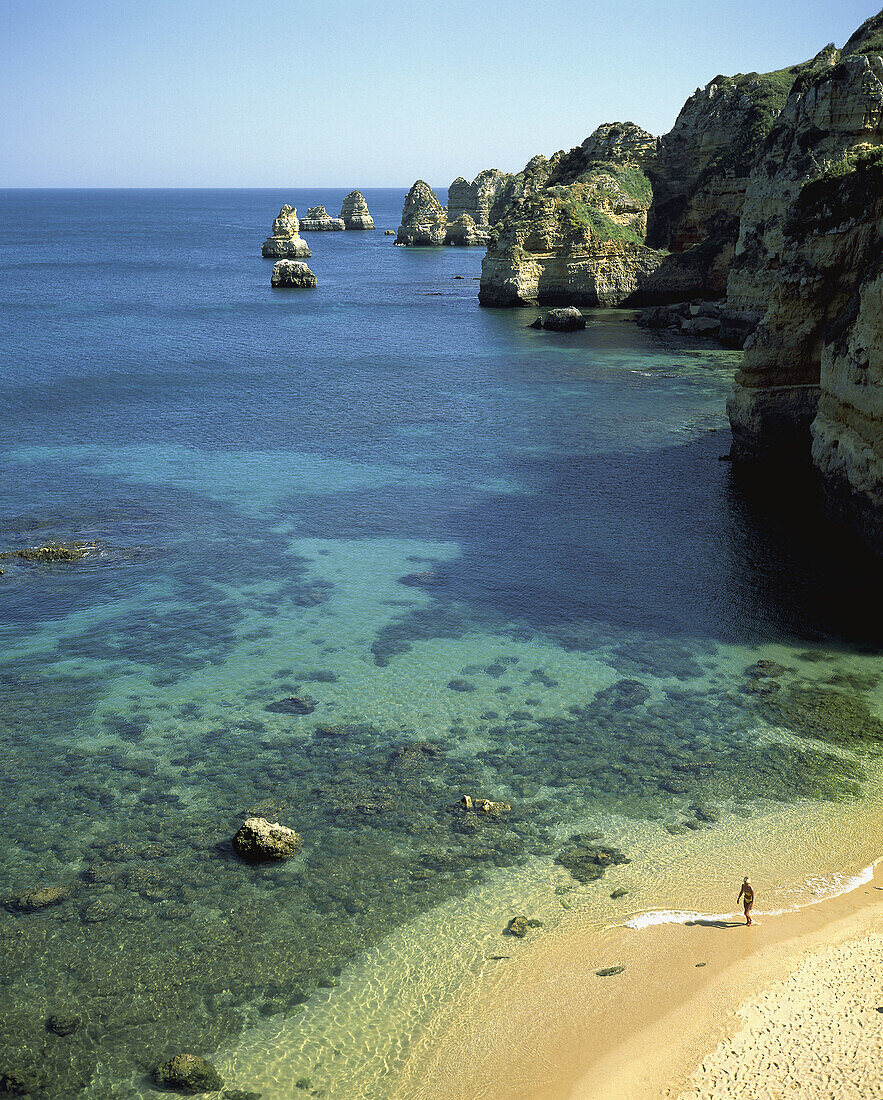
(557, 1031)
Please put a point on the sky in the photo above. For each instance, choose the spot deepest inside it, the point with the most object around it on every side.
(280, 93)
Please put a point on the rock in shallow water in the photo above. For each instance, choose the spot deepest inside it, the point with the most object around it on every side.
(292, 274)
(188, 1073)
(567, 319)
(258, 839)
(41, 898)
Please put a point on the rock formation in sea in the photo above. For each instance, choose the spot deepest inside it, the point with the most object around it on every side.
(258, 839)
(285, 241)
(473, 210)
(318, 219)
(292, 274)
(424, 219)
(577, 233)
(354, 212)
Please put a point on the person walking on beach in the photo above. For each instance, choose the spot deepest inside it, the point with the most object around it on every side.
(747, 892)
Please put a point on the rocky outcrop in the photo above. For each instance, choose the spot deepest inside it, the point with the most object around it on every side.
(354, 212)
(258, 839)
(285, 241)
(424, 219)
(577, 235)
(474, 208)
(568, 319)
(809, 223)
(291, 274)
(319, 219)
(464, 232)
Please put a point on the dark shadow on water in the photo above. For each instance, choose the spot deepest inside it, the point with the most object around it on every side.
(668, 541)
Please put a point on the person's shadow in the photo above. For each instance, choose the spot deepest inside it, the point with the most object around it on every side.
(715, 923)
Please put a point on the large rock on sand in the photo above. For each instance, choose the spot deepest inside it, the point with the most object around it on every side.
(285, 242)
(354, 212)
(258, 839)
(292, 274)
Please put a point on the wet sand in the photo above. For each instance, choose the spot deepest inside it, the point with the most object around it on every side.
(554, 1030)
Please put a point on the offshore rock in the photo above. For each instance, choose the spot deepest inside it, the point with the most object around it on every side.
(319, 219)
(809, 237)
(577, 234)
(424, 219)
(258, 839)
(564, 320)
(482, 202)
(354, 212)
(465, 232)
(285, 241)
(189, 1074)
(292, 274)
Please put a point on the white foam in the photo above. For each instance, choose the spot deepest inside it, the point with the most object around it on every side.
(819, 887)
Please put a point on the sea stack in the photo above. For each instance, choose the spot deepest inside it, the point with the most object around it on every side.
(285, 242)
(424, 219)
(354, 212)
(292, 274)
(318, 218)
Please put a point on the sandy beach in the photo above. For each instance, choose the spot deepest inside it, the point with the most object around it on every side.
(706, 1008)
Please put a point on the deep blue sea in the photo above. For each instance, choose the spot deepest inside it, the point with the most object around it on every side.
(496, 561)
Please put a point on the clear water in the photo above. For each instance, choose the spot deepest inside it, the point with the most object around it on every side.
(264, 473)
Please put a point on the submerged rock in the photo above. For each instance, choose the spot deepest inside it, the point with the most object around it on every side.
(318, 218)
(43, 897)
(64, 1023)
(567, 319)
(285, 242)
(298, 705)
(258, 839)
(52, 551)
(292, 274)
(587, 861)
(354, 212)
(188, 1073)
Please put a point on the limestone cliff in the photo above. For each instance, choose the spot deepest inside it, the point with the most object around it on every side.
(482, 202)
(798, 264)
(285, 241)
(354, 212)
(424, 219)
(577, 233)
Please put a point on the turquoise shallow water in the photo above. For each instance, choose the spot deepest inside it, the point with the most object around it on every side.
(500, 561)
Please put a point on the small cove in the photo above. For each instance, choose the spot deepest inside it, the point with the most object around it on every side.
(266, 474)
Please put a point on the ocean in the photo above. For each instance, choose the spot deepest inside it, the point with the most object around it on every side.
(495, 561)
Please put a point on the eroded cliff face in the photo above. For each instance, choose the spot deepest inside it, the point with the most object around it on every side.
(701, 175)
(577, 233)
(799, 263)
(847, 433)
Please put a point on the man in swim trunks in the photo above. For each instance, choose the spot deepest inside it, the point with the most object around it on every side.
(747, 892)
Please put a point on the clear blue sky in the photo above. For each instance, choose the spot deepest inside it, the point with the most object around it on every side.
(271, 93)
